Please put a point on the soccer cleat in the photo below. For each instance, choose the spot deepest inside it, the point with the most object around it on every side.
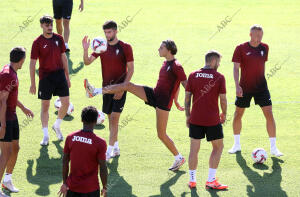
(192, 184)
(116, 152)
(45, 141)
(67, 50)
(177, 164)
(215, 185)
(9, 186)
(3, 195)
(108, 157)
(276, 152)
(59, 135)
(234, 149)
(89, 89)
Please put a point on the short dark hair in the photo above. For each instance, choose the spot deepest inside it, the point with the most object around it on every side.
(89, 115)
(46, 19)
(212, 54)
(110, 25)
(17, 54)
(256, 27)
(171, 46)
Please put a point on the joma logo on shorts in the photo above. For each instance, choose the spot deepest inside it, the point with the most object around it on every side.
(82, 139)
(204, 75)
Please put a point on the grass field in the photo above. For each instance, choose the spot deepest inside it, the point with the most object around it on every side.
(196, 27)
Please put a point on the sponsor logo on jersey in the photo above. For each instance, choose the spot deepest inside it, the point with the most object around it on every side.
(204, 75)
(82, 139)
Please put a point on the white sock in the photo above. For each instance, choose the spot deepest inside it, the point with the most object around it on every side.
(98, 91)
(109, 149)
(116, 145)
(66, 44)
(237, 140)
(211, 174)
(273, 142)
(57, 123)
(178, 157)
(192, 175)
(45, 131)
(7, 177)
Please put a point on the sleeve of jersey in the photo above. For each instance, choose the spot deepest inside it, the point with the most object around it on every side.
(188, 87)
(63, 46)
(34, 50)
(237, 55)
(102, 150)
(7, 83)
(267, 52)
(95, 54)
(223, 85)
(179, 72)
(128, 53)
(67, 146)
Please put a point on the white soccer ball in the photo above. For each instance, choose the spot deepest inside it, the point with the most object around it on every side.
(101, 117)
(259, 155)
(99, 44)
(57, 105)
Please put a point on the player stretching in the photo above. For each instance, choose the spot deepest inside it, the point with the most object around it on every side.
(206, 86)
(251, 57)
(117, 67)
(63, 9)
(86, 152)
(54, 80)
(161, 97)
(9, 130)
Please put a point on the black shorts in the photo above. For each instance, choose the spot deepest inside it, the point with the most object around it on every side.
(62, 9)
(76, 194)
(54, 84)
(12, 131)
(211, 132)
(151, 99)
(111, 105)
(262, 99)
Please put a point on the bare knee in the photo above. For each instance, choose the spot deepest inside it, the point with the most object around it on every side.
(161, 135)
(218, 148)
(238, 115)
(16, 148)
(45, 108)
(66, 23)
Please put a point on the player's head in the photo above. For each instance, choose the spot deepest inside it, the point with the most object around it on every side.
(212, 59)
(17, 56)
(46, 24)
(110, 29)
(167, 47)
(89, 116)
(256, 34)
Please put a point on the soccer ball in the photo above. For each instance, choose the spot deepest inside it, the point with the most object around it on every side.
(101, 117)
(99, 44)
(259, 155)
(57, 105)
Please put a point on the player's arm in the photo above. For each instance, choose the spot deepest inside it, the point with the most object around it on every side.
(103, 175)
(130, 70)
(179, 107)
(32, 76)
(87, 60)
(66, 67)
(65, 172)
(25, 110)
(223, 103)
(3, 106)
(187, 106)
(236, 76)
(81, 6)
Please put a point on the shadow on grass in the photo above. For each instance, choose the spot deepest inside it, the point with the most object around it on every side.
(99, 127)
(117, 185)
(268, 184)
(70, 66)
(48, 170)
(66, 118)
(193, 193)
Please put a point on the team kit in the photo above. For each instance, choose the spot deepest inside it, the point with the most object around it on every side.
(87, 153)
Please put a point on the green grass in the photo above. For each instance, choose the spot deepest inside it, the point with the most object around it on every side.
(142, 168)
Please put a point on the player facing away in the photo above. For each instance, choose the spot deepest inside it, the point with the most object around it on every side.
(250, 57)
(54, 80)
(9, 130)
(206, 86)
(161, 97)
(86, 152)
(117, 65)
(62, 10)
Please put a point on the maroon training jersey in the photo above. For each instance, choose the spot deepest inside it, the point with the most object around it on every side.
(85, 149)
(170, 76)
(9, 82)
(48, 51)
(252, 60)
(114, 62)
(205, 85)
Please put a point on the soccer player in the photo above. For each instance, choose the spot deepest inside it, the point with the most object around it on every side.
(161, 97)
(117, 66)
(250, 57)
(86, 152)
(54, 79)
(9, 130)
(62, 10)
(206, 86)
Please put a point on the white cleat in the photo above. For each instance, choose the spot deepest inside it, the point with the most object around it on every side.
(276, 152)
(234, 149)
(45, 141)
(116, 152)
(177, 164)
(3, 195)
(90, 90)
(9, 186)
(108, 157)
(58, 133)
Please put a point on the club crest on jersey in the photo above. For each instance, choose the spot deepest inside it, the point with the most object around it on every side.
(56, 42)
(82, 139)
(117, 51)
(168, 68)
(262, 53)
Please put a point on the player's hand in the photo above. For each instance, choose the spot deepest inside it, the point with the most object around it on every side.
(63, 190)
(179, 107)
(2, 132)
(222, 118)
(103, 192)
(118, 95)
(85, 43)
(32, 89)
(239, 91)
(28, 112)
(80, 7)
(188, 121)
